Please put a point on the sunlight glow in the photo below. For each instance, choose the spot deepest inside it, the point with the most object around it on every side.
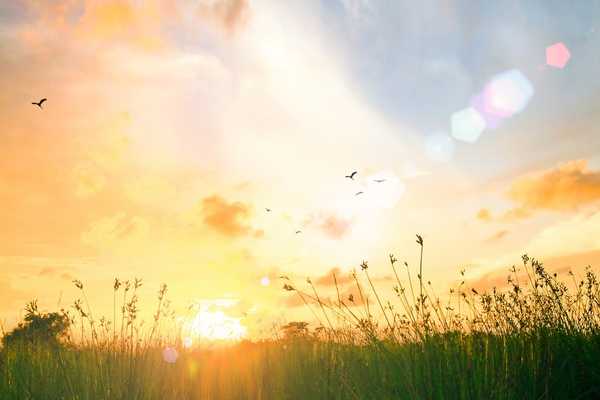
(213, 323)
(380, 191)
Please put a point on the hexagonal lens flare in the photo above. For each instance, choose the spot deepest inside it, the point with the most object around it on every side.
(467, 125)
(507, 94)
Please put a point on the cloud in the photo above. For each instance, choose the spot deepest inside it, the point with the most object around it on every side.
(294, 300)
(47, 271)
(341, 277)
(51, 272)
(565, 188)
(484, 215)
(228, 15)
(119, 229)
(497, 236)
(227, 218)
(335, 227)
(515, 214)
(354, 294)
(134, 24)
(580, 233)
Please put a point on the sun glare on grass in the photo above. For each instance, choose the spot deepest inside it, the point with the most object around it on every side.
(213, 323)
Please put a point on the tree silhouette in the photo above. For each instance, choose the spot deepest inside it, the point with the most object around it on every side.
(38, 328)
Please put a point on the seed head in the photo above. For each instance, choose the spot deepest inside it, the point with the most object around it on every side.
(419, 240)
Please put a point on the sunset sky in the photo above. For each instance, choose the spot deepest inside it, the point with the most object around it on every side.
(171, 126)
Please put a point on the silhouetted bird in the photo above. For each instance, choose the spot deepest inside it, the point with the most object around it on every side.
(379, 180)
(351, 176)
(267, 209)
(357, 193)
(39, 103)
(297, 232)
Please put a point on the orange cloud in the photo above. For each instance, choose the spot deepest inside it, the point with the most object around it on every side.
(137, 24)
(564, 188)
(484, 215)
(53, 272)
(340, 276)
(335, 227)
(352, 297)
(497, 236)
(227, 218)
(120, 229)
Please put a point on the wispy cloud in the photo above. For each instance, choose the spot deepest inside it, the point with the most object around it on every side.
(228, 218)
(498, 236)
(52, 272)
(334, 226)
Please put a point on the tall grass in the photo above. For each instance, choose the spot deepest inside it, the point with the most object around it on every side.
(539, 338)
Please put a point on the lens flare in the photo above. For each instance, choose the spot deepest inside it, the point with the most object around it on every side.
(557, 55)
(439, 147)
(170, 355)
(265, 281)
(507, 94)
(467, 125)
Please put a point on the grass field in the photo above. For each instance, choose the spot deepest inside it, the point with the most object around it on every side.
(538, 339)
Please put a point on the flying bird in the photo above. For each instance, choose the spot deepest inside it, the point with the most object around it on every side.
(379, 180)
(297, 232)
(267, 209)
(357, 193)
(351, 176)
(39, 103)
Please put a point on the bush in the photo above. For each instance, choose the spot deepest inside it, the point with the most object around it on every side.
(38, 328)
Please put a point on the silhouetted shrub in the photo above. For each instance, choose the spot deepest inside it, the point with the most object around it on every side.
(38, 328)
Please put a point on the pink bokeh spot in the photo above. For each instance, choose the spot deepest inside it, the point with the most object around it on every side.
(491, 121)
(170, 355)
(505, 95)
(557, 55)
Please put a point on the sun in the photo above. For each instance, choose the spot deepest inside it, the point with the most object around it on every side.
(215, 324)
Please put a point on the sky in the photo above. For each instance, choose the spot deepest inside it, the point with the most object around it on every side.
(170, 127)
